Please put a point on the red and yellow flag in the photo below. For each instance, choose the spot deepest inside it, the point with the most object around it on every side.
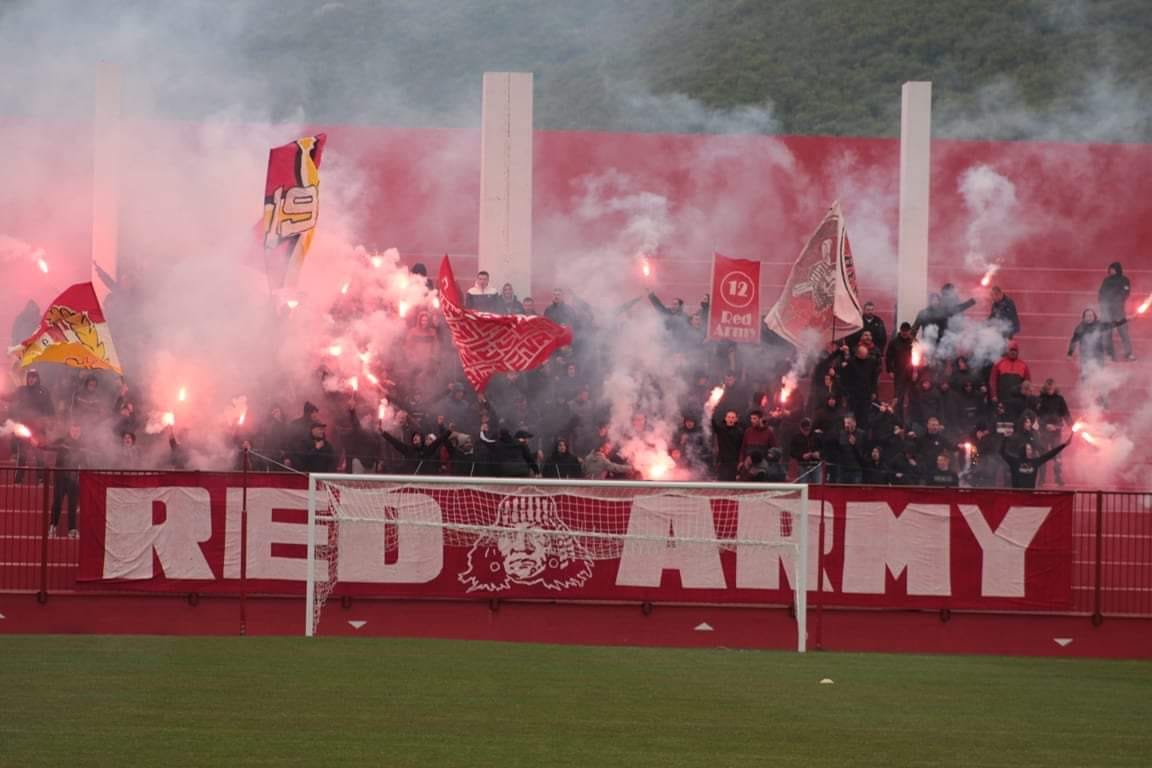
(291, 207)
(72, 332)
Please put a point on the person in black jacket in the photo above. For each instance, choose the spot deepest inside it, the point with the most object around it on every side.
(562, 464)
(1004, 316)
(870, 323)
(942, 476)
(70, 456)
(510, 455)
(1023, 466)
(421, 456)
(898, 362)
(860, 376)
(1113, 294)
(316, 454)
(729, 438)
(32, 407)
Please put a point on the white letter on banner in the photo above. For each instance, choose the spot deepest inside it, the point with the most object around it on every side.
(130, 537)
(419, 548)
(774, 520)
(918, 540)
(644, 559)
(1003, 572)
(264, 532)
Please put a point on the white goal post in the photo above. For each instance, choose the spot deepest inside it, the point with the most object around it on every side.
(528, 538)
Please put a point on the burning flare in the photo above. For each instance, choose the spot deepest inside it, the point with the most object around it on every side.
(182, 395)
(917, 355)
(372, 378)
(1077, 426)
(335, 350)
(292, 303)
(1144, 305)
(382, 410)
(645, 266)
(344, 288)
(987, 279)
(787, 387)
(714, 398)
(436, 302)
(354, 382)
(377, 262)
(402, 308)
(168, 419)
(240, 421)
(20, 430)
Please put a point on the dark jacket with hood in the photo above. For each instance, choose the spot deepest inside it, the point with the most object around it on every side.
(1113, 293)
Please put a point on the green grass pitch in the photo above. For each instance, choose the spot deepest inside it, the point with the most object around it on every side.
(151, 701)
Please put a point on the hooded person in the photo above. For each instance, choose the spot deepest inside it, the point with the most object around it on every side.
(1113, 295)
(32, 407)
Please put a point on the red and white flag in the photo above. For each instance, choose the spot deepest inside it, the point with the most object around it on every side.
(820, 296)
(72, 332)
(490, 343)
(734, 312)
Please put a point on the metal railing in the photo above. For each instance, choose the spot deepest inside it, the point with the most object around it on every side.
(1111, 572)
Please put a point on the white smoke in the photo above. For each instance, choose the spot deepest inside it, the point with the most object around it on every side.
(994, 223)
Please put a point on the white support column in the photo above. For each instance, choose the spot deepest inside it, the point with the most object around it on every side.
(506, 180)
(105, 174)
(915, 181)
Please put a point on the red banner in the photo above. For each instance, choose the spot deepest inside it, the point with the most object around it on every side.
(734, 312)
(73, 332)
(291, 207)
(883, 547)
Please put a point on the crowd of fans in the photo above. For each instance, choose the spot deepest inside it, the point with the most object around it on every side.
(945, 421)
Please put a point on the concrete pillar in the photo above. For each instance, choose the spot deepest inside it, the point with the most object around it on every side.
(105, 175)
(506, 181)
(915, 185)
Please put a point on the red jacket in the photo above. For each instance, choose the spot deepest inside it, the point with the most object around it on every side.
(757, 439)
(1017, 370)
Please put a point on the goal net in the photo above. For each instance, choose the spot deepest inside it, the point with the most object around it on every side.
(525, 539)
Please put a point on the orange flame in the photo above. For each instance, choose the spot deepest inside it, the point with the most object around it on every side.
(365, 357)
(354, 382)
(182, 395)
(335, 350)
(168, 419)
(372, 378)
(21, 431)
(240, 421)
(292, 303)
(436, 302)
(987, 279)
(645, 266)
(1144, 305)
(344, 288)
(1077, 427)
(43, 265)
(377, 262)
(917, 355)
(380, 411)
(402, 308)
(1088, 438)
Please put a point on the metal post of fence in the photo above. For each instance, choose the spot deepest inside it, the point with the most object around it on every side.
(1097, 613)
(244, 548)
(818, 640)
(46, 505)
